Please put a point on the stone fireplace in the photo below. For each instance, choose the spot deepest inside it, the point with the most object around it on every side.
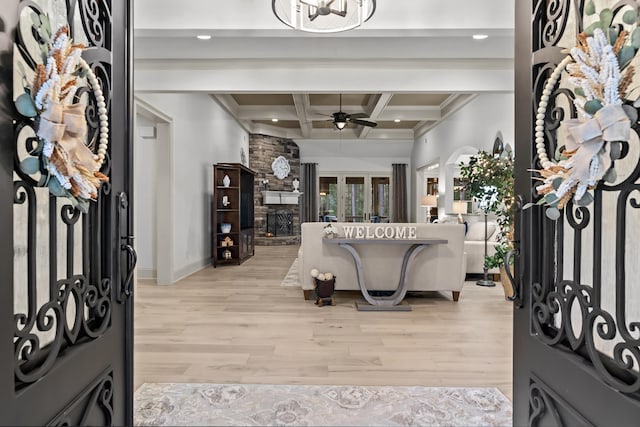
(277, 222)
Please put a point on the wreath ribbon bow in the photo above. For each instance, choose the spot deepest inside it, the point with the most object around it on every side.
(66, 125)
(587, 138)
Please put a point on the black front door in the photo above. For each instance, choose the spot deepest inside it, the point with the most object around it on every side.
(65, 297)
(576, 331)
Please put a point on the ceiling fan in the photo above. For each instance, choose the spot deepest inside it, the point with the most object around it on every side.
(340, 118)
(323, 8)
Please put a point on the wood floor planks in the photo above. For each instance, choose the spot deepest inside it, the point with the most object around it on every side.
(236, 324)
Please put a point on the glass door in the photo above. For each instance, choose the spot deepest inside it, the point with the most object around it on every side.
(379, 199)
(329, 197)
(354, 208)
(347, 197)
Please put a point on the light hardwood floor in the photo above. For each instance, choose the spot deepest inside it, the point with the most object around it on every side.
(236, 324)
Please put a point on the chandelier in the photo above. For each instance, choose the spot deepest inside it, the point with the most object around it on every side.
(323, 16)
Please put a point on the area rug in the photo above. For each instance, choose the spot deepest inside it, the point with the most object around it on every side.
(305, 405)
(292, 279)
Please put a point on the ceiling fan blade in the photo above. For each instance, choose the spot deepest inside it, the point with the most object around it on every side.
(363, 122)
(358, 116)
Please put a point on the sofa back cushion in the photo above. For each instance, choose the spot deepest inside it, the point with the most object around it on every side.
(476, 230)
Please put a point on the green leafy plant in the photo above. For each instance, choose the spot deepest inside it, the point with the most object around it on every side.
(497, 260)
(486, 170)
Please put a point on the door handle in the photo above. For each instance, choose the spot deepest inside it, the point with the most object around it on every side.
(516, 254)
(125, 287)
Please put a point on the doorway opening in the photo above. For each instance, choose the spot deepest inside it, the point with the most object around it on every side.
(153, 193)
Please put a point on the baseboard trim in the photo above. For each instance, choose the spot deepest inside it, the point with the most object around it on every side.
(147, 273)
(189, 269)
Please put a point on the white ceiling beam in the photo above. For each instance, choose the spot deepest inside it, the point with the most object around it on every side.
(301, 102)
(328, 110)
(376, 105)
(267, 112)
(228, 103)
(456, 102)
(424, 127)
(452, 104)
(410, 112)
(231, 106)
(322, 112)
(372, 79)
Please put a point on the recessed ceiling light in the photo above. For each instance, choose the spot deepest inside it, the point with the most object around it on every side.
(203, 36)
(480, 36)
(397, 120)
(274, 120)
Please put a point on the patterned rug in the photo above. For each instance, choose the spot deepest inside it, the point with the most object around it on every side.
(292, 279)
(304, 405)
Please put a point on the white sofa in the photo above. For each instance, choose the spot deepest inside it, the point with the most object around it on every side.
(437, 268)
(474, 246)
(474, 242)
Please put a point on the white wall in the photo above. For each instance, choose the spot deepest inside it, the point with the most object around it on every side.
(354, 155)
(203, 134)
(475, 125)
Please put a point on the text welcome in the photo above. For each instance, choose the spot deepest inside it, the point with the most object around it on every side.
(389, 232)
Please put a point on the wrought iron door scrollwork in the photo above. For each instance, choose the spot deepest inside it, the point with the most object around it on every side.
(78, 299)
(566, 311)
(546, 407)
(94, 403)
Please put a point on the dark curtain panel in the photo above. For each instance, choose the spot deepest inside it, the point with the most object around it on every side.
(309, 205)
(400, 193)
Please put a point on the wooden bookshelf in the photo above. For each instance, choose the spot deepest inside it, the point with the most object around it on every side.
(232, 205)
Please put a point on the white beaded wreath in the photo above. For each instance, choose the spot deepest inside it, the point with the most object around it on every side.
(102, 112)
(594, 68)
(541, 148)
(73, 169)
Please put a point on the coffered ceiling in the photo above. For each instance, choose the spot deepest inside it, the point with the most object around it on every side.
(309, 115)
(413, 61)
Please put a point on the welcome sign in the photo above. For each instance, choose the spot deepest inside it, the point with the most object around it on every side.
(380, 232)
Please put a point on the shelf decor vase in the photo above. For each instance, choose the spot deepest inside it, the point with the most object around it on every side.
(225, 227)
(226, 181)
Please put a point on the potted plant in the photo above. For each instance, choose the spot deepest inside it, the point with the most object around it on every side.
(497, 261)
(486, 170)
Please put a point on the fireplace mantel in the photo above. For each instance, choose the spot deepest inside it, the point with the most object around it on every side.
(280, 197)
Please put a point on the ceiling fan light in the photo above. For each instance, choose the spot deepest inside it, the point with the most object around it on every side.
(340, 125)
(323, 16)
